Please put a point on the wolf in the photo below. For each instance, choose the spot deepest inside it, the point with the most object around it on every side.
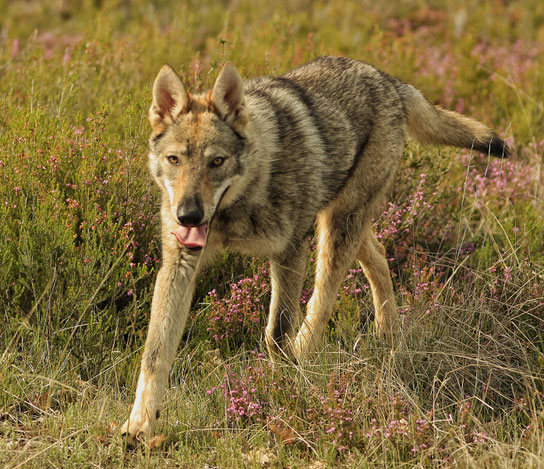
(255, 167)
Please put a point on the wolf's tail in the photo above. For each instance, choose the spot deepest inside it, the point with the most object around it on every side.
(432, 124)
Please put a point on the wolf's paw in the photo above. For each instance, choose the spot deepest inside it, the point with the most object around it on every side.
(304, 347)
(136, 430)
(387, 327)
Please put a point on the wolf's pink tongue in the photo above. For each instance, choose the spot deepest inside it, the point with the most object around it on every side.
(191, 236)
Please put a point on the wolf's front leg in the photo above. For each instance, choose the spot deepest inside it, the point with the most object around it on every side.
(287, 275)
(170, 306)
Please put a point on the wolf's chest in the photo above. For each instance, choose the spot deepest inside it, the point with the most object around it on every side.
(255, 232)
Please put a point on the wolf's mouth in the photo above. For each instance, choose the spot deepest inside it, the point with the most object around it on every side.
(192, 236)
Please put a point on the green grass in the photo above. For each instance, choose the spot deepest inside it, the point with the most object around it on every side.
(79, 246)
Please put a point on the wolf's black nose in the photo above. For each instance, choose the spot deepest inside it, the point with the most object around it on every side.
(190, 211)
(190, 219)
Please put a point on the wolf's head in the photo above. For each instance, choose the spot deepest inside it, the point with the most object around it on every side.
(197, 149)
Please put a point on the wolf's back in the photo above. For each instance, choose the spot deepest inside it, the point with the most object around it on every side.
(431, 124)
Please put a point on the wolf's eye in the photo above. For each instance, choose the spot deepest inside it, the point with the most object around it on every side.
(217, 161)
(173, 159)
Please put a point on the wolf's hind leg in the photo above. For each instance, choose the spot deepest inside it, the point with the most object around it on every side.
(287, 276)
(374, 263)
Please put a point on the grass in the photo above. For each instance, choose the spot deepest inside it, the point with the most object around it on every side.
(79, 247)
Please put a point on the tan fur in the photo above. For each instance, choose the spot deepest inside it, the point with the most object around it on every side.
(318, 146)
(373, 261)
(432, 124)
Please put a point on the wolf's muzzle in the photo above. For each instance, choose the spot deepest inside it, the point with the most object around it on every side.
(190, 211)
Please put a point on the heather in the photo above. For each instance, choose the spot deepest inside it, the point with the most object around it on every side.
(80, 249)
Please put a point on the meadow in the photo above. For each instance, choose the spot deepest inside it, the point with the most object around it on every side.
(79, 246)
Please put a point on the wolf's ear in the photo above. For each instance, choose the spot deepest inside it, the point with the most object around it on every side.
(227, 98)
(170, 99)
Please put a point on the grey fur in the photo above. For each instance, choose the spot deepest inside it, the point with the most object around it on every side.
(268, 159)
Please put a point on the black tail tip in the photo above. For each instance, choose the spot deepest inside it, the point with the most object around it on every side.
(494, 146)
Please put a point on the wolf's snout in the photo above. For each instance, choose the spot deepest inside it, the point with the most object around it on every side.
(190, 211)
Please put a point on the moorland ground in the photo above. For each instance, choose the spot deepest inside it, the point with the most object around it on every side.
(79, 246)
